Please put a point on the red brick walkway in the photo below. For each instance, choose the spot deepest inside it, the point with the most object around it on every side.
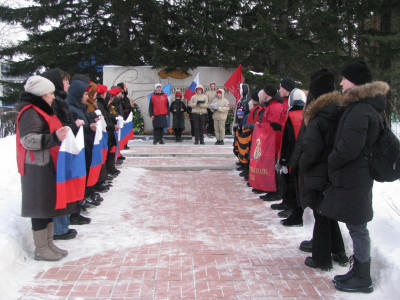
(216, 240)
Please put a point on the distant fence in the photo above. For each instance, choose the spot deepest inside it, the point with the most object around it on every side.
(8, 118)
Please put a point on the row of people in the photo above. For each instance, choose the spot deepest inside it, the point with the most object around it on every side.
(319, 161)
(50, 106)
(200, 105)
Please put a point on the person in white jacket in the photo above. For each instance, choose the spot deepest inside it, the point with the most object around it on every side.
(220, 109)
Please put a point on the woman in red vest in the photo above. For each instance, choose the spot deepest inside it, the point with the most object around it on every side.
(159, 112)
(39, 135)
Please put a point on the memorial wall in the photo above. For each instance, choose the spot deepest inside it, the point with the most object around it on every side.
(140, 82)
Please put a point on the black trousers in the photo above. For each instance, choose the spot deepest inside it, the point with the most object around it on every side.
(327, 238)
(198, 122)
(158, 134)
(178, 132)
(287, 189)
(210, 129)
(40, 224)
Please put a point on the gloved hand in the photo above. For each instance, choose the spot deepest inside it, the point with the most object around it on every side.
(278, 167)
(276, 126)
(235, 127)
(284, 170)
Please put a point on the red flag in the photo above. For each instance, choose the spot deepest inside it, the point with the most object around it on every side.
(233, 83)
(262, 158)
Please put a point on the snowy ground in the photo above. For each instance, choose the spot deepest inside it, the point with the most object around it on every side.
(16, 251)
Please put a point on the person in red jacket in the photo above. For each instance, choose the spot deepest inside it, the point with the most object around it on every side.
(159, 112)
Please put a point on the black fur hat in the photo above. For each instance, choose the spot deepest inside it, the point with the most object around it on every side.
(357, 72)
(321, 82)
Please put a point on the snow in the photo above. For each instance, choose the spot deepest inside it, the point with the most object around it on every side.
(17, 266)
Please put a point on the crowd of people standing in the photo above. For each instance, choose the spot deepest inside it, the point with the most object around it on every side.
(51, 105)
(319, 161)
(318, 137)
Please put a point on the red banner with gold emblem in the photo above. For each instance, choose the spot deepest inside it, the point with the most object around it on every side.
(262, 158)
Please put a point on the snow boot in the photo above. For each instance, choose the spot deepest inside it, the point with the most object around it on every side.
(279, 206)
(310, 262)
(306, 246)
(43, 250)
(285, 213)
(50, 232)
(295, 219)
(358, 279)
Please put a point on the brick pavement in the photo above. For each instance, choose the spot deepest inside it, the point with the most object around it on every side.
(218, 241)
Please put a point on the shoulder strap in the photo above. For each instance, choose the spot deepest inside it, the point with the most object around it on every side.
(384, 125)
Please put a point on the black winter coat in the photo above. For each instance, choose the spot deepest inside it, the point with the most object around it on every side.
(348, 197)
(179, 115)
(320, 118)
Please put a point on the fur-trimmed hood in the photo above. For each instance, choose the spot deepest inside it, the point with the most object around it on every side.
(326, 104)
(373, 92)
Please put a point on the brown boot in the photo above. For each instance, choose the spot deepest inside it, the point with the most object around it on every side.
(43, 251)
(50, 232)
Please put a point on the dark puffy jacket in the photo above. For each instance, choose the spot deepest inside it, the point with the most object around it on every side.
(321, 119)
(348, 197)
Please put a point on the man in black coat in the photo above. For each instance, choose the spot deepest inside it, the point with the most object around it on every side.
(348, 198)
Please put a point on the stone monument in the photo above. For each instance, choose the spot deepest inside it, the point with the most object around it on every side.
(140, 82)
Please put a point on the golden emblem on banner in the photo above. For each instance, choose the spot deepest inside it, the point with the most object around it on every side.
(257, 151)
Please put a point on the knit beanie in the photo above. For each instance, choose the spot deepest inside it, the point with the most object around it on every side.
(322, 82)
(39, 86)
(270, 89)
(357, 72)
(254, 96)
(288, 84)
(157, 85)
(240, 112)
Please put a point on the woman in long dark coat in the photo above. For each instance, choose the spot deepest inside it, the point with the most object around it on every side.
(348, 198)
(39, 135)
(178, 109)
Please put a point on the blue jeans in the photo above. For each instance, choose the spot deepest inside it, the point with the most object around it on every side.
(61, 225)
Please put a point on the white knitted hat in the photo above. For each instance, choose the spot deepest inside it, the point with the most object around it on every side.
(157, 85)
(39, 86)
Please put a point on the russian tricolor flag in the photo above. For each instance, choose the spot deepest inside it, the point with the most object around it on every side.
(126, 132)
(97, 155)
(192, 88)
(104, 140)
(120, 124)
(71, 170)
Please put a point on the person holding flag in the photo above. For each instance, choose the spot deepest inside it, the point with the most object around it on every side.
(159, 112)
(199, 105)
(39, 135)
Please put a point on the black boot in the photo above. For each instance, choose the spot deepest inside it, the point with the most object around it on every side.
(285, 213)
(279, 206)
(306, 246)
(295, 220)
(273, 196)
(310, 262)
(358, 279)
